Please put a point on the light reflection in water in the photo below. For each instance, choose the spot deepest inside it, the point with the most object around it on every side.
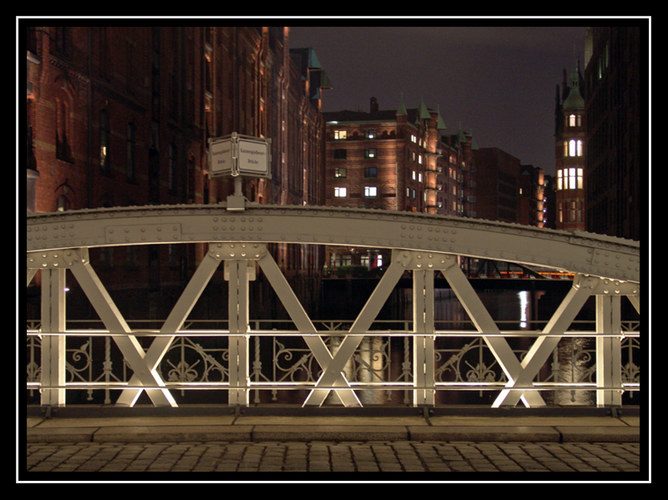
(524, 307)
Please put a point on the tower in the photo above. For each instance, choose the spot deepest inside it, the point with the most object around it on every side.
(569, 155)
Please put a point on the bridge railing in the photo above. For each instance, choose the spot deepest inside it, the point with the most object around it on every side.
(196, 367)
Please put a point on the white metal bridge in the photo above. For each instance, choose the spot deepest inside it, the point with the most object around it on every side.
(422, 245)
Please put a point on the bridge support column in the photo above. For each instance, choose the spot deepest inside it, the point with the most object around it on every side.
(423, 345)
(53, 346)
(608, 350)
(239, 273)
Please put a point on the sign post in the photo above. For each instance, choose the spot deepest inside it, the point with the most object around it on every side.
(239, 156)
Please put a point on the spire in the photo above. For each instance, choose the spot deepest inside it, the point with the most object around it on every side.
(402, 107)
(440, 124)
(574, 99)
(423, 112)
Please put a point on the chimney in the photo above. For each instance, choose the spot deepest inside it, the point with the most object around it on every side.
(374, 105)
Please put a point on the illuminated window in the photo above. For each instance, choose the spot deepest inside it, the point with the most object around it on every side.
(105, 135)
(370, 134)
(340, 134)
(569, 178)
(340, 172)
(571, 120)
(370, 153)
(413, 138)
(574, 147)
(340, 192)
(370, 191)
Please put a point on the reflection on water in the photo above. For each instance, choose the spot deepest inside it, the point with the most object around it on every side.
(572, 361)
(524, 307)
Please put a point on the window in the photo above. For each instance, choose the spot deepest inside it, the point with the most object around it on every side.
(370, 172)
(340, 154)
(130, 152)
(63, 151)
(62, 203)
(571, 120)
(370, 134)
(370, 153)
(573, 147)
(340, 134)
(370, 191)
(340, 173)
(340, 192)
(171, 172)
(569, 178)
(105, 135)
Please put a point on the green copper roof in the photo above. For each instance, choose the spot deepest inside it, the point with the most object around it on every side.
(574, 99)
(402, 107)
(423, 112)
(440, 124)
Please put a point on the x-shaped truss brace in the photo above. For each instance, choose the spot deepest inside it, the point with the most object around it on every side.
(144, 363)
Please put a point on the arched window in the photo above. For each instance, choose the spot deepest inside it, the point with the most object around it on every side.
(63, 203)
(130, 143)
(63, 151)
(171, 171)
(105, 136)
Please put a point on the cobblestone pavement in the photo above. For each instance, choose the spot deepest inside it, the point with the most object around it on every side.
(322, 456)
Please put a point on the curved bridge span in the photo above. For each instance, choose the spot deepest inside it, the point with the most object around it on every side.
(577, 252)
(422, 245)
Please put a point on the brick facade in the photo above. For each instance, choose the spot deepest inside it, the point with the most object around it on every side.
(121, 116)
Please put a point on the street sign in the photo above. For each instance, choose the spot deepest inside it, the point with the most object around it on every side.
(239, 155)
(221, 157)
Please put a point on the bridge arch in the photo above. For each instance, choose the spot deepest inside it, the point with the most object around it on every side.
(423, 245)
(577, 252)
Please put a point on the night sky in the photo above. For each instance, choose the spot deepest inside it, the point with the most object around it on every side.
(497, 82)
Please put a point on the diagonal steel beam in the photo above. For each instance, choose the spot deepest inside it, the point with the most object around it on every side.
(133, 352)
(304, 324)
(332, 376)
(583, 287)
(484, 323)
(544, 345)
(174, 322)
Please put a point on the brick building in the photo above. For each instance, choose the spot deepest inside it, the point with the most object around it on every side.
(392, 159)
(616, 106)
(570, 153)
(497, 178)
(121, 116)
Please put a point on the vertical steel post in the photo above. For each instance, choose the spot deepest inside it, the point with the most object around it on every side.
(53, 346)
(239, 372)
(423, 344)
(608, 350)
